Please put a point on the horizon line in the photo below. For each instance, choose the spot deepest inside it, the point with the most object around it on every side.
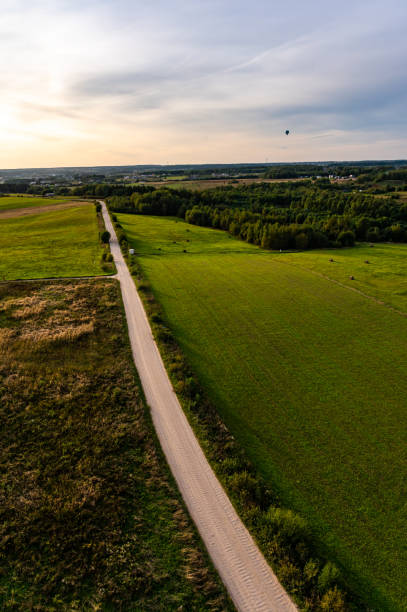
(224, 164)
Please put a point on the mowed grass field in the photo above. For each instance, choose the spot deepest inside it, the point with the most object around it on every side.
(15, 202)
(384, 277)
(51, 244)
(309, 376)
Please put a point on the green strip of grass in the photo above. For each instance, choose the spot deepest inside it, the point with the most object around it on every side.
(309, 377)
(90, 518)
(15, 202)
(59, 243)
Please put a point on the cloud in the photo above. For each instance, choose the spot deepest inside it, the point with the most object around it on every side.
(169, 77)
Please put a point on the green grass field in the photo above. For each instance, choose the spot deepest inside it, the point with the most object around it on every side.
(308, 375)
(384, 277)
(51, 244)
(90, 518)
(15, 202)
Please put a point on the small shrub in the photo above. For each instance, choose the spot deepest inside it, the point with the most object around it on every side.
(105, 237)
(290, 575)
(311, 570)
(333, 601)
(175, 369)
(328, 576)
(246, 486)
(191, 386)
(230, 465)
(98, 207)
(287, 525)
(179, 387)
(164, 335)
(109, 257)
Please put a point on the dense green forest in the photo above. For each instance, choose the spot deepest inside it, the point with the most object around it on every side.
(292, 215)
(326, 205)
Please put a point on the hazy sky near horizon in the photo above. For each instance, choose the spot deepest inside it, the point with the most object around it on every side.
(125, 82)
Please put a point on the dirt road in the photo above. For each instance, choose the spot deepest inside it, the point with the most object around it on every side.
(251, 583)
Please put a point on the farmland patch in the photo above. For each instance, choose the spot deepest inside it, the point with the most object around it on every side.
(308, 375)
(51, 244)
(90, 516)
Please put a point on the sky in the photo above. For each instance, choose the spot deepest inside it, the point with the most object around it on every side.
(112, 82)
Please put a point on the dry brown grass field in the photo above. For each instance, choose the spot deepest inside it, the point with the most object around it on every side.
(90, 518)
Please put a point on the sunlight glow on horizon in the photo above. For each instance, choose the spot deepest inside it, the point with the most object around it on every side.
(112, 83)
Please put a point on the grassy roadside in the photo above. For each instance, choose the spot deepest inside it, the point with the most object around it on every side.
(284, 537)
(90, 516)
(107, 263)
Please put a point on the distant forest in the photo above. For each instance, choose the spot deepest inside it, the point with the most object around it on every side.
(294, 215)
(328, 205)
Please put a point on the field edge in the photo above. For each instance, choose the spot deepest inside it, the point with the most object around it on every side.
(212, 434)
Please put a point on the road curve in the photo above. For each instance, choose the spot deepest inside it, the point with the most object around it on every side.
(250, 581)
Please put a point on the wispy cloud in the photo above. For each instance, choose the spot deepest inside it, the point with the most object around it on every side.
(127, 81)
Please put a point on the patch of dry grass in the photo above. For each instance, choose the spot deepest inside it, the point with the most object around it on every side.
(89, 516)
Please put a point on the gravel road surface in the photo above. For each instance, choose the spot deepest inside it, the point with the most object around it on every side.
(249, 580)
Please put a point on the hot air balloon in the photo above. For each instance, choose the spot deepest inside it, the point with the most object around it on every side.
(287, 132)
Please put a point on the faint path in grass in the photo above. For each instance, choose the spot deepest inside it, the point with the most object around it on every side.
(250, 581)
(35, 210)
(332, 280)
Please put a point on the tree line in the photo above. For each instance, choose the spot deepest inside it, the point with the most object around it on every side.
(298, 215)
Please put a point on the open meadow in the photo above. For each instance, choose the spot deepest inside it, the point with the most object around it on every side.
(309, 376)
(379, 270)
(51, 244)
(90, 516)
(201, 184)
(16, 202)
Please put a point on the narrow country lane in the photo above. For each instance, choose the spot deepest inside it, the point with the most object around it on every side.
(251, 583)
